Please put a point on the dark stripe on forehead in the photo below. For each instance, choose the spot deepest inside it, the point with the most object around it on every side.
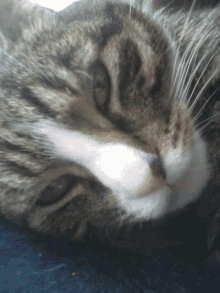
(112, 26)
(109, 30)
(156, 36)
(66, 57)
(27, 95)
(129, 67)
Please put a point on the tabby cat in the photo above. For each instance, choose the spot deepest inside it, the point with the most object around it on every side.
(109, 116)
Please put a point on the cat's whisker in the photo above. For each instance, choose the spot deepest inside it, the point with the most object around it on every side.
(107, 228)
(210, 120)
(173, 44)
(181, 39)
(186, 66)
(140, 226)
(190, 63)
(176, 72)
(125, 219)
(200, 111)
(122, 219)
(130, 226)
(164, 9)
(202, 41)
(181, 72)
(200, 92)
(201, 75)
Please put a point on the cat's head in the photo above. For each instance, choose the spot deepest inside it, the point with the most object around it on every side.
(94, 127)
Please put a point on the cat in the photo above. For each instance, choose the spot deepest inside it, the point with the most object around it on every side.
(109, 117)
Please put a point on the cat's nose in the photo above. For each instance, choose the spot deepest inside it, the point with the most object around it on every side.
(115, 160)
(127, 170)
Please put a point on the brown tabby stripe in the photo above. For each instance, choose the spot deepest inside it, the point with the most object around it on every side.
(130, 65)
(38, 103)
(20, 169)
(14, 147)
(23, 150)
(17, 141)
(109, 30)
(66, 58)
(22, 157)
(28, 160)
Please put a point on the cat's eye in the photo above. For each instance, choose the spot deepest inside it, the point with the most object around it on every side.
(57, 190)
(101, 87)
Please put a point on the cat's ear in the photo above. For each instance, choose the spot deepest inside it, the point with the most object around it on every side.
(16, 15)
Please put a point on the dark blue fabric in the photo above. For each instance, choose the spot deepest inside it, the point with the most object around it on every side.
(27, 267)
(38, 264)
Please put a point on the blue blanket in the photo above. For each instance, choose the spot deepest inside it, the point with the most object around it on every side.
(36, 263)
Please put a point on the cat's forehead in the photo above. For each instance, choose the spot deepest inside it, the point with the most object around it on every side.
(133, 50)
(80, 39)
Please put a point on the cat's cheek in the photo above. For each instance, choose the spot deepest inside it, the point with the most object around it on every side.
(189, 187)
(193, 179)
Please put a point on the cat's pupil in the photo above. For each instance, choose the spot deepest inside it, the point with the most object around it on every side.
(101, 87)
(57, 190)
(99, 80)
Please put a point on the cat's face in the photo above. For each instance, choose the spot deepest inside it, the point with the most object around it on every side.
(93, 127)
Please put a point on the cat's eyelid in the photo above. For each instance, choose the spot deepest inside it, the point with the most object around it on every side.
(57, 189)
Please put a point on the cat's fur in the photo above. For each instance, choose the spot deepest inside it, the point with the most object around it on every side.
(143, 154)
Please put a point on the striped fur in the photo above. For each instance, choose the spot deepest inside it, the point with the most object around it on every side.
(141, 155)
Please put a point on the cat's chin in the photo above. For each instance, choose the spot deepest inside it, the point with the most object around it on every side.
(150, 206)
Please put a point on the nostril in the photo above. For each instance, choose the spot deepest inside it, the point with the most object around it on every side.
(157, 167)
(154, 180)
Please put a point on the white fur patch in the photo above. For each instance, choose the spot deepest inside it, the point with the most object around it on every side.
(121, 168)
(126, 172)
